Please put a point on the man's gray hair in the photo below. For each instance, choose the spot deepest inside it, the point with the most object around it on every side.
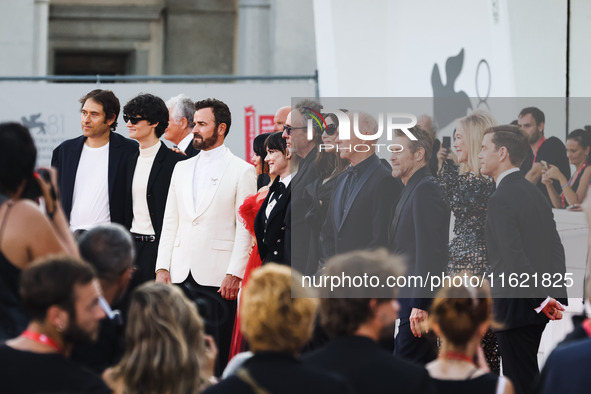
(109, 249)
(182, 107)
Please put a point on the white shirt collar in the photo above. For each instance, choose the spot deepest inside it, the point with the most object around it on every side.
(212, 154)
(286, 180)
(184, 144)
(505, 173)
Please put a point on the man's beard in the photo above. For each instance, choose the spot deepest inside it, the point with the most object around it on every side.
(205, 144)
(535, 136)
(74, 334)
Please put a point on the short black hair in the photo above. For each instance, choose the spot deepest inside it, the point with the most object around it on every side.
(52, 281)
(108, 100)
(109, 249)
(537, 114)
(276, 142)
(258, 145)
(17, 156)
(221, 112)
(151, 107)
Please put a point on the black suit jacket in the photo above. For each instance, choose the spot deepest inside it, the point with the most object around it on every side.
(364, 221)
(158, 184)
(66, 158)
(420, 233)
(567, 369)
(270, 232)
(521, 238)
(369, 368)
(281, 373)
(297, 242)
(191, 151)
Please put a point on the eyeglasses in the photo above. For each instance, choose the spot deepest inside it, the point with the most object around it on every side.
(331, 129)
(132, 120)
(287, 129)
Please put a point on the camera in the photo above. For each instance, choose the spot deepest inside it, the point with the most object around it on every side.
(33, 190)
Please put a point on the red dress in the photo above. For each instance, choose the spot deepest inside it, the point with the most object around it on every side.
(247, 211)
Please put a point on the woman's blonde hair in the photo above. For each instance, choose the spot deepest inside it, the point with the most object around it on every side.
(271, 319)
(474, 126)
(164, 343)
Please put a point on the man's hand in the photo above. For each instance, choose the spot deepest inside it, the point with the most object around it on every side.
(418, 319)
(177, 150)
(163, 276)
(230, 286)
(553, 310)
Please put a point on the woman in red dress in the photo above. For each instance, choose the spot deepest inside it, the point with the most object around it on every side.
(248, 211)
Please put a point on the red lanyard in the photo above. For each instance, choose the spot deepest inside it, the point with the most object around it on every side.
(41, 338)
(457, 356)
(587, 326)
(537, 150)
(573, 178)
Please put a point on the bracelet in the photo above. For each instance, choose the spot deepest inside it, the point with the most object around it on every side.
(565, 185)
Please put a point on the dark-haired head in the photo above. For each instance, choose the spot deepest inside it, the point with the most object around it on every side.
(17, 157)
(221, 112)
(108, 100)
(276, 142)
(51, 282)
(149, 107)
(512, 138)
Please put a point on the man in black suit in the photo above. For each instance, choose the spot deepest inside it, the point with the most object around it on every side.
(91, 168)
(521, 238)
(358, 213)
(180, 124)
(303, 153)
(149, 170)
(419, 232)
(357, 325)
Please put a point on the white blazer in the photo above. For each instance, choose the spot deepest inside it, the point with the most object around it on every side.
(211, 240)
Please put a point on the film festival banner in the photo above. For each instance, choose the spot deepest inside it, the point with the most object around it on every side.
(52, 111)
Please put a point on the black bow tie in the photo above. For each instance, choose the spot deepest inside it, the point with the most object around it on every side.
(277, 189)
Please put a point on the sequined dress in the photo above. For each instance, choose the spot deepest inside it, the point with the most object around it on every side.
(468, 196)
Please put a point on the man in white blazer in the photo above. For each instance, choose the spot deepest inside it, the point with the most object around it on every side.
(204, 246)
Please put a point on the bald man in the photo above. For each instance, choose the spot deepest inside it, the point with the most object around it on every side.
(280, 117)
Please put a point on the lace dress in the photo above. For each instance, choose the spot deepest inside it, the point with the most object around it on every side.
(468, 196)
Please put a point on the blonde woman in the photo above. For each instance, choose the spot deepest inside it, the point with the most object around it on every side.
(166, 350)
(468, 192)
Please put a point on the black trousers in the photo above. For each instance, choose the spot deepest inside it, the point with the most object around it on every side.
(519, 355)
(218, 315)
(145, 262)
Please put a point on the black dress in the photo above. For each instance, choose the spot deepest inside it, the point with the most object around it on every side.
(468, 196)
(483, 384)
(12, 315)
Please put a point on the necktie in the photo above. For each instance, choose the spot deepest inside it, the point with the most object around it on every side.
(278, 190)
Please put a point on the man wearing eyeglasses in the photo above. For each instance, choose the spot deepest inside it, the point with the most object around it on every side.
(91, 168)
(304, 151)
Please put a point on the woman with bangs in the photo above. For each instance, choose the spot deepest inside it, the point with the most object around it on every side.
(269, 224)
(468, 192)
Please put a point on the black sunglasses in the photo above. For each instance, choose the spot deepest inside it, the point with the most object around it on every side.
(331, 129)
(287, 129)
(132, 120)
